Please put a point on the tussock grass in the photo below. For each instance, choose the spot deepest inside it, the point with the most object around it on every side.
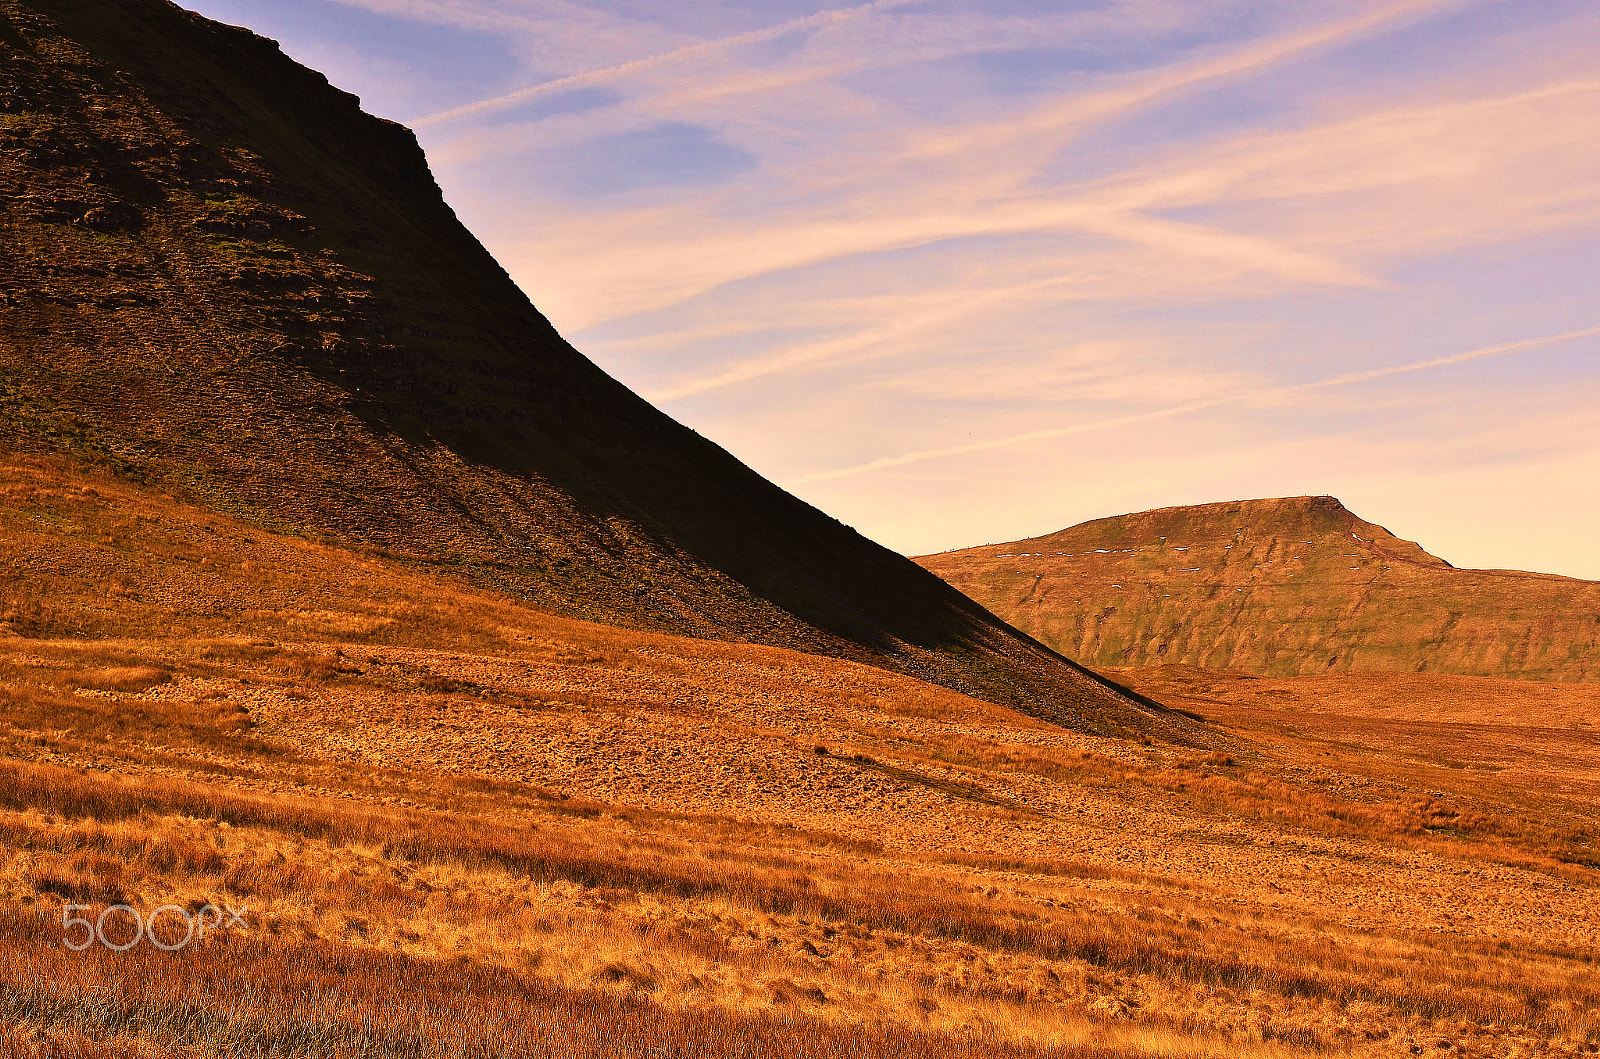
(249, 998)
(1432, 979)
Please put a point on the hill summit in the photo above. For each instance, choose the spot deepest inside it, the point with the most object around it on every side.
(220, 277)
(1283, 587)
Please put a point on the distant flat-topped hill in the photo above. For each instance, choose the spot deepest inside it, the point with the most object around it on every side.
(1277, 587)
(220, 277)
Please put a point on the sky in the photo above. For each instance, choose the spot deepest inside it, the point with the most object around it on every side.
(967, 271)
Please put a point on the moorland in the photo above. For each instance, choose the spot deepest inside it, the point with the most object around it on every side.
(461, 825)
(509, 717)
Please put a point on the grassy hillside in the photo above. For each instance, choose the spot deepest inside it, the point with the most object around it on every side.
(458, 826)
(219, 275)
(1277, 587)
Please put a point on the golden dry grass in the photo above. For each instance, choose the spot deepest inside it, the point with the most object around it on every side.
(462, 827)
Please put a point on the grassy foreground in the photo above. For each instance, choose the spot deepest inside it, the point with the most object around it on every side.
(457, 826)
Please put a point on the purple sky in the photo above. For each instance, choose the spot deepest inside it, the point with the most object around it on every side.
(967, 271)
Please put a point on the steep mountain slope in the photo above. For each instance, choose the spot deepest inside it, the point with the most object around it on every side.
(218, 274)
(1278, 587)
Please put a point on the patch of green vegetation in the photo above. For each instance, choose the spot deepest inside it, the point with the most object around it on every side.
(24, 120)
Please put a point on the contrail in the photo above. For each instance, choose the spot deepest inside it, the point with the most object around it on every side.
(884, 462)
(1350, 379)
(608, 73)
(1445, 362)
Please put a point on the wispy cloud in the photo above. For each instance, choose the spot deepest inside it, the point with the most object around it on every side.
(884, 463)
(688, 52)
(1047, 122)
(1274, 394)
(1476, 169)
(936, 310)
(518, 18)
(1193, 243)
(1503, 350)
(925, 187)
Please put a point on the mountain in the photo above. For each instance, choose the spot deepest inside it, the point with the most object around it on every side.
(219, 277)
(1286, 587)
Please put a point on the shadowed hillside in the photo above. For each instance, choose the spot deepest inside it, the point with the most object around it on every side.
(1279, 587)
(219, 275)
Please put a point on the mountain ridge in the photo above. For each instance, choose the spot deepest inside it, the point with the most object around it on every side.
(1267, 587)
(221, 277)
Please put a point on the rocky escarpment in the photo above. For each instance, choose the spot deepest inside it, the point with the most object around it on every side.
(1278, 587)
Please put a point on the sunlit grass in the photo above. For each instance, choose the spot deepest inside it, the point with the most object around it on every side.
(439, 830)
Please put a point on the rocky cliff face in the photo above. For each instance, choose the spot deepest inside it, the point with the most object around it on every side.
(217, 274)
(1278, 587)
